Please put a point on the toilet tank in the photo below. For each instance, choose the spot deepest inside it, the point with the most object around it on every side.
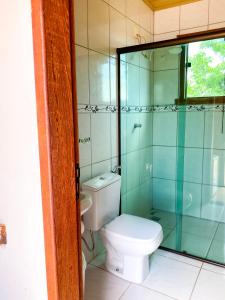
(105, 192)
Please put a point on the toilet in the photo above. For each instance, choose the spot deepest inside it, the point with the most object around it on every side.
(128, 240)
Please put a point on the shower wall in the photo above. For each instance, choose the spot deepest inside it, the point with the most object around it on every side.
(151, 169)
(204, 158)
(136, 133)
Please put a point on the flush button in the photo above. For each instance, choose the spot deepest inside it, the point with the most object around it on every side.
(102, 178)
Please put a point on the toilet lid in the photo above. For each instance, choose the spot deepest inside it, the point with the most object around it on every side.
(134, 227)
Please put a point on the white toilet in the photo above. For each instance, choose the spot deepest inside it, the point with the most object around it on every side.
(129, 240)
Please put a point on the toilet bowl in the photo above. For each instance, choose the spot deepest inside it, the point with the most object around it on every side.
(128, 239)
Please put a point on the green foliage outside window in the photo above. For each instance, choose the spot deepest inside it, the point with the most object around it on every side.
(206, 76)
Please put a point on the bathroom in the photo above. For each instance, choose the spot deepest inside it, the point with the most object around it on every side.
(165, 178)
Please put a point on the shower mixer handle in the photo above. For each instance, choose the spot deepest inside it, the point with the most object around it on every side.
(137, 125)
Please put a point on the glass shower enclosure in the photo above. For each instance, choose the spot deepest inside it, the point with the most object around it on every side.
(172, 140)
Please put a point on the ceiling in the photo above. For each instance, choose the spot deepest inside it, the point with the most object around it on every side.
(162, 4)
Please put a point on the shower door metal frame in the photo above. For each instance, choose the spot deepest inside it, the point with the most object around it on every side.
(180, 40)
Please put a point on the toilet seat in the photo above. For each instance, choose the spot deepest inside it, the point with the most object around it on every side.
(131, 231)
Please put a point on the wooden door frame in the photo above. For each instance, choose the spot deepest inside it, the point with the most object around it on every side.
(54, 50)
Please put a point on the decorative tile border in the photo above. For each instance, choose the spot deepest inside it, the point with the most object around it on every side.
(147, 109)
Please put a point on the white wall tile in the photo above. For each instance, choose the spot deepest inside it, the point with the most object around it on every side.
(166, 20)
(82, 75)
(145, 16)
(214, 134)
(145, 138)
(194, 14)
(217, 25)
(214, 167)
(100, 136)
(192, 199)
(101, 168)
(117, 31)
(146, 59)
(193, 165)
(123, 83)
(165, 87)
(98, 26)
(133, 159)
(120, 5)
(165, 60)
(194, 129)
(164, 194)
(133, 10)
(84, 132)
(146, 87)
(114, 134)
(165, 128)
(145, 164)
(213, 203)
(99, 78)
(164, 162)
(193, 30)
(85, 174)
(132, 134)
(166, 36)
(132, 201)
(132, 31)
(216, 11)
(81, 28)
(133, 85)
(113, 81)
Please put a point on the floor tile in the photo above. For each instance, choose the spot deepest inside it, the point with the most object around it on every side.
(213, 268)
(179, 257)
(199, 226)
(135, 292)
(171, 277)
(209, 286)
(217, 251)
(101, 285)
(190, 243)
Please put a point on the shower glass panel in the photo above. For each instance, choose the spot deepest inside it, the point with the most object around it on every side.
(172, 143)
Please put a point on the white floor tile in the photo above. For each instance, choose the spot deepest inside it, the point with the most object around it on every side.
(214, 268)
(184, 259)
(171, 277)
(209, 286)
(135, 292)
(101, 285)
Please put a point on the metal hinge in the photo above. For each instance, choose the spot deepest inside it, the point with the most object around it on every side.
(77, 171)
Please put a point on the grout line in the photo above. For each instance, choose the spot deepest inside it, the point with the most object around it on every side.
(159, 292)
(173, 258)
(195, 283)
(213, 238)
(124, 292)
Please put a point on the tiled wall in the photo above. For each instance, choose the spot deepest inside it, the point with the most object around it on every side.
(101, 27)
(198, 16)
(204, 152)
(136, 143)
